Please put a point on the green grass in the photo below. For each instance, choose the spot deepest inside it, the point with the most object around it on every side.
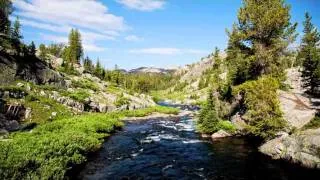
(314, 123)
(85, 84)
(42, 108)
(51, 149)
(78, 95)
(150, 110)
(227, 126)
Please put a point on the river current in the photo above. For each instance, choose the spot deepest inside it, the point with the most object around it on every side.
(171, 149)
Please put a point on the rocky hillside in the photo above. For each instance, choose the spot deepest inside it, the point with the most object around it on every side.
(151, 70)
(187, 90)
(32, 91)
(303, 146)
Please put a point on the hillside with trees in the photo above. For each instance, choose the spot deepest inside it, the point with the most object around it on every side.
(58, 105)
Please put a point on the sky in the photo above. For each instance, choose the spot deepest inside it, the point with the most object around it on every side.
(136, 33)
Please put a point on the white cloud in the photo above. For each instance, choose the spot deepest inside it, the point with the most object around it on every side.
(133, 38)
(83, 13)
(167, 51)
(91, 17)
(143, 5)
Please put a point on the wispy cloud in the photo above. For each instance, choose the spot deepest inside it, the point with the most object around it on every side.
(167, 51)
(59, 16)
(133, 38)
(143, 5)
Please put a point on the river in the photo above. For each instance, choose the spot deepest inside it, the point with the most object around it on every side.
(171, 149)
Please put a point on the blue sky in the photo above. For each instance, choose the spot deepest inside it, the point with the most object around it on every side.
(135, 33)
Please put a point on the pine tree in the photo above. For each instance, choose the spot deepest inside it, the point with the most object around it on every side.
(98, 69)
(43, 52)
(310, 56)
(32, 49)
(5, 11)
(16, 32)
(209, 118)
(263, 33)
(16, 35)
(78, 46)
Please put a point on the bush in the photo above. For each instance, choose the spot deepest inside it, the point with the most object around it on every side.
(85, 84)
(261, 103)
(227, 126)
(78, 95)
(122, 101)
(51, 149)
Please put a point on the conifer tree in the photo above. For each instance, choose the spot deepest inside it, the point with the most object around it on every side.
(43, 52)
(32, 49)
(310, 56)
(5, 11)
(208, 118)
(263, 33)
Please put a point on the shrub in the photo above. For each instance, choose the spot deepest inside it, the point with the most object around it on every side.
(261, 103)
(227, 126)
(78, 95)
(51, 149)
(122, 101)
(85, 84)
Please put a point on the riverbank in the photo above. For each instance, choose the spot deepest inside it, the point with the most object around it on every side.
(48, 151)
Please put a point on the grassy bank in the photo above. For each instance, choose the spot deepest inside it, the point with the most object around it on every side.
(51, 149)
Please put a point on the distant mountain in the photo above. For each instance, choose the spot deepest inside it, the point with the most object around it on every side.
(151, 70)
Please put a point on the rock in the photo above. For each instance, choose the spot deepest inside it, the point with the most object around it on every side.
(205, 135)
(220, 134)
(296, 108)
(238, 122)
(12, 125)
(27, 114)
(102, 107)
(3, 133)
(42, 93)
(29, 69)
(28, 87)
(53, 114)
(302, 148)
(20, 84)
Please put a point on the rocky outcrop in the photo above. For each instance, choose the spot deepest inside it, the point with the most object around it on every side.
(297, 107)
(302, 148)
(29, 69)
(220, 134)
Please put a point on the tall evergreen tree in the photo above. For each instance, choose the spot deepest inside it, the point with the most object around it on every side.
(32, 49)
(5, 11)
(43, 52)
(310, 56)
(16, 36)
(263, 33)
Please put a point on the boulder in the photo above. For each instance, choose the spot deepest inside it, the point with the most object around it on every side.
(32, 69)
(302, 148)
(220, 134)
